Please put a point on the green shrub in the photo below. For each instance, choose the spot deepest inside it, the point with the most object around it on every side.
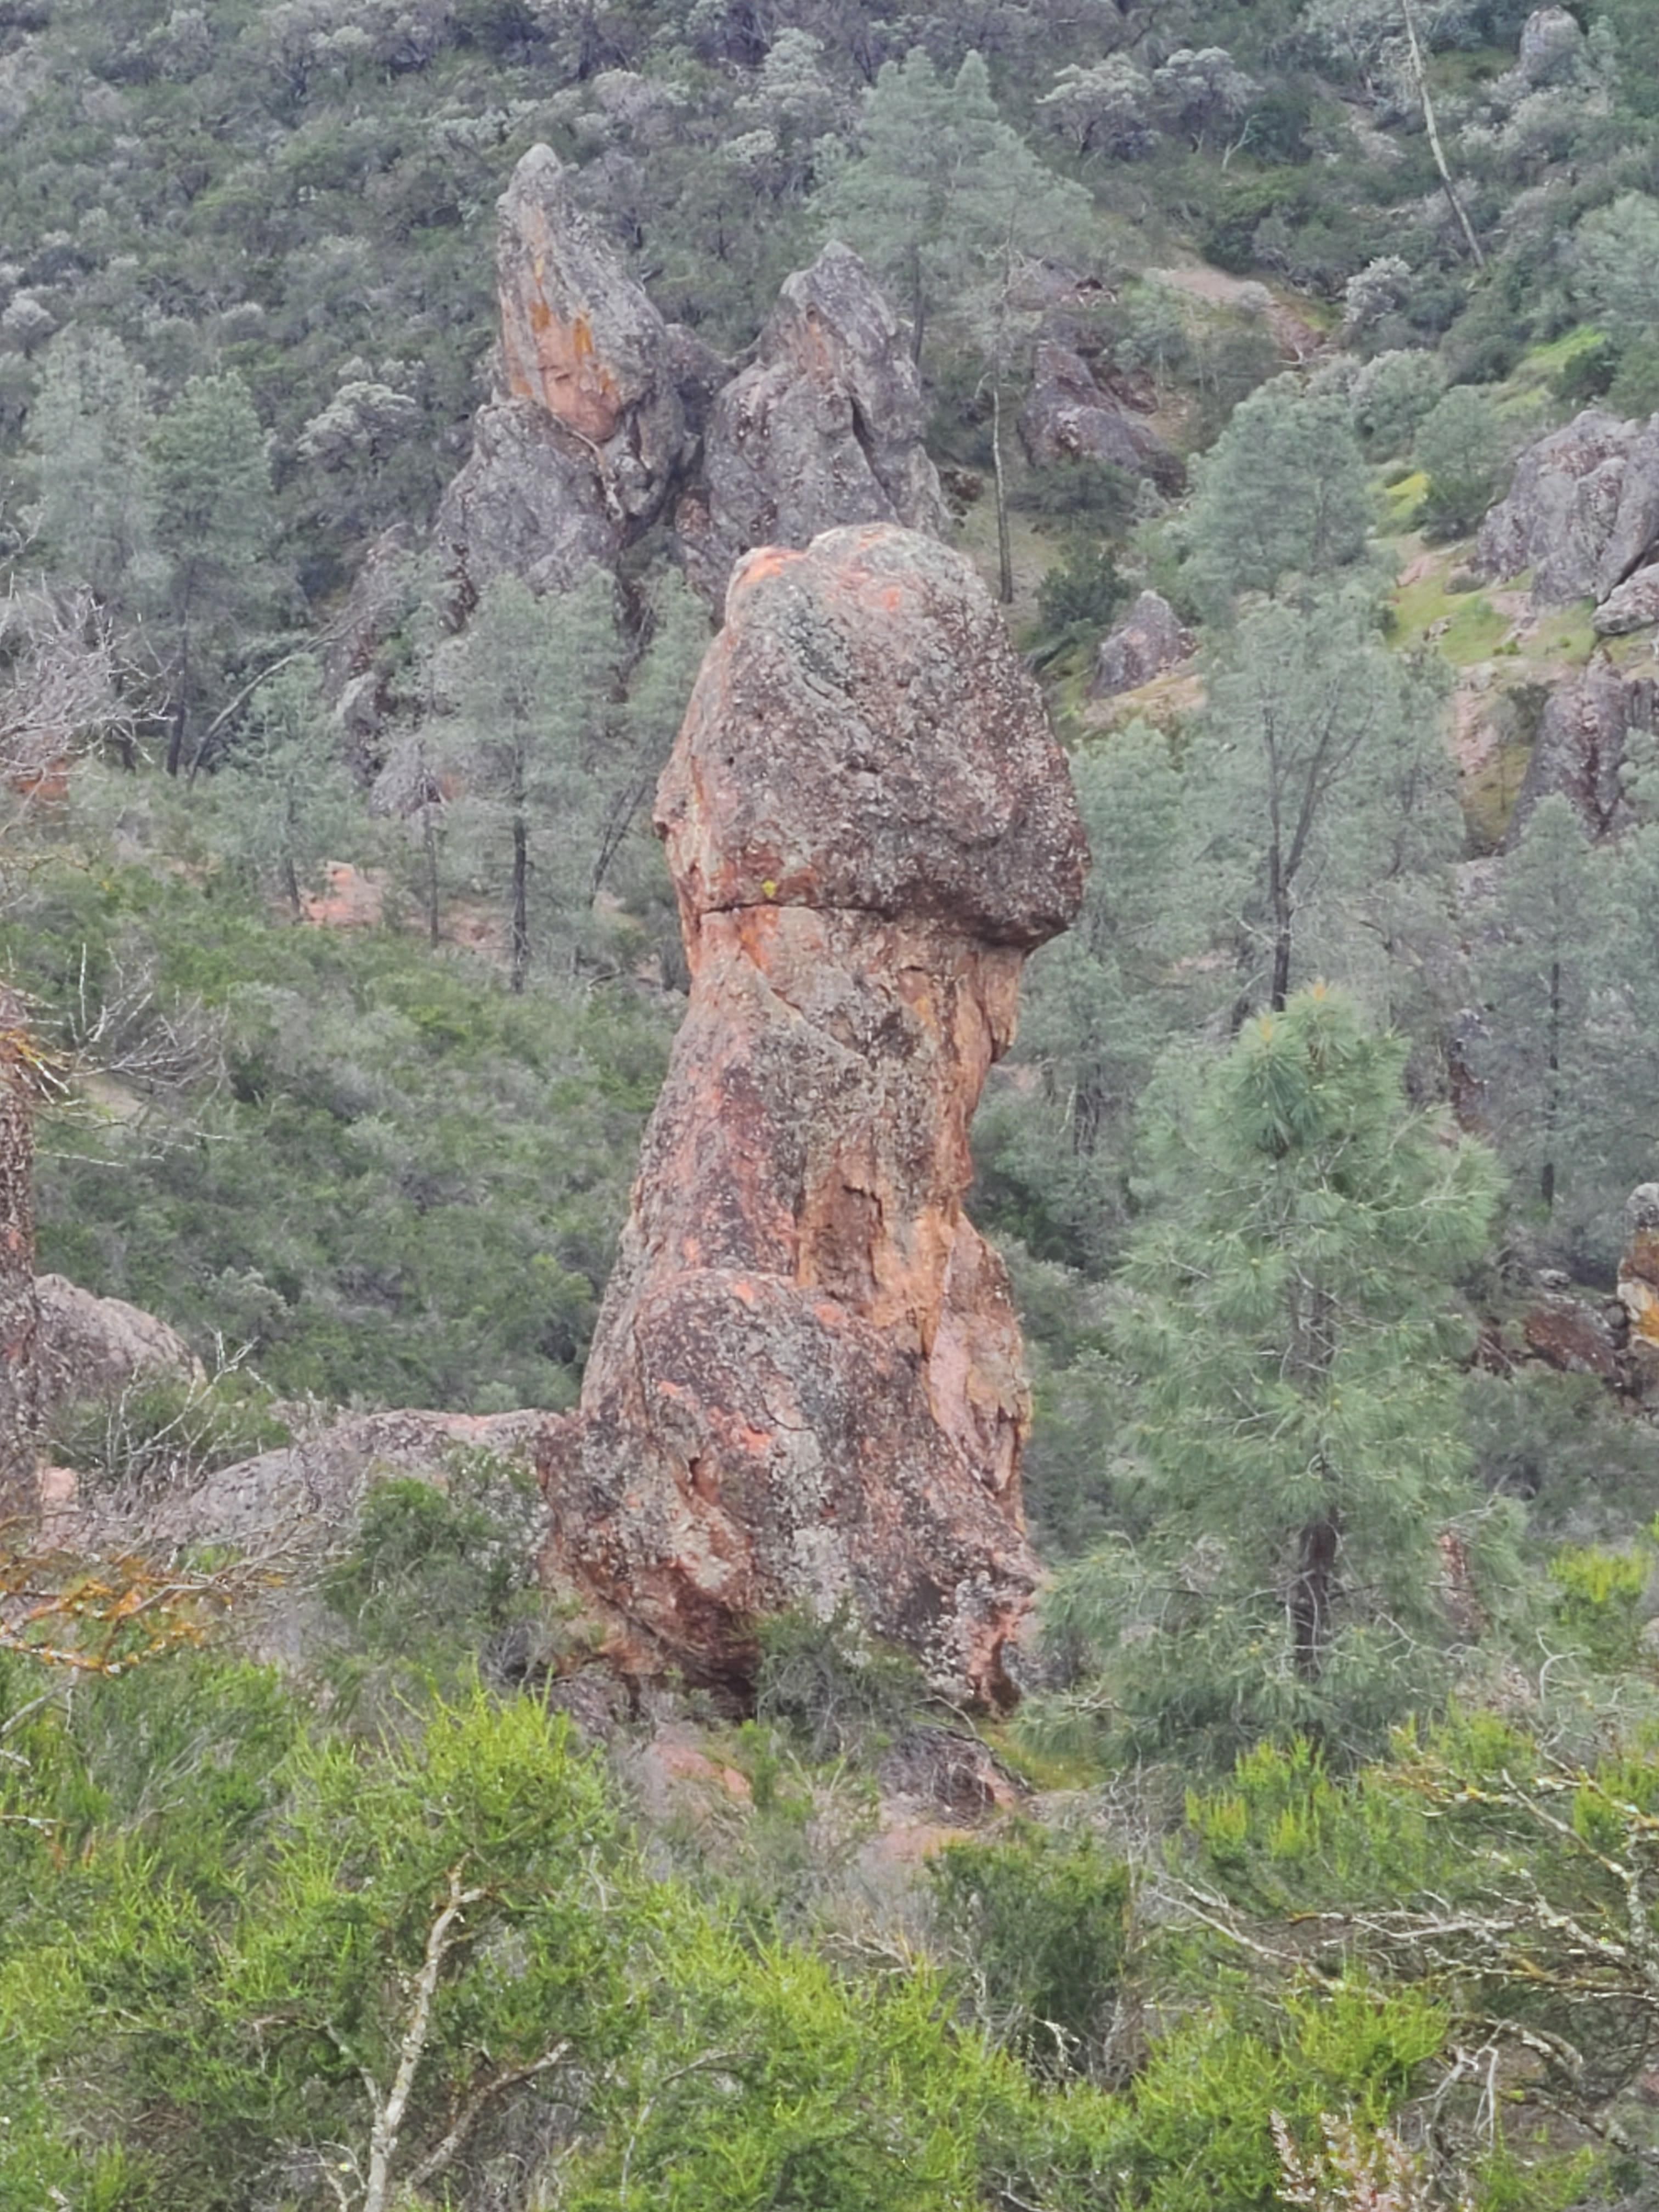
(822, 1680)
(162, 1432)
(1042, 1920)
(1084, 593)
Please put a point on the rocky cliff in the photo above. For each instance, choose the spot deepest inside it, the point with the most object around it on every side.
(807, 1383)
(606, 419)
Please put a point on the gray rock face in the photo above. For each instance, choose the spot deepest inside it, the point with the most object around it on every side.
(1069, 418)
(1147, 641)
(588, 431)
(1583, 513)
(1551, 44)
(1581, 745)
(93, 1348)
(528, 503)
(823, 429)
(1635, 531)
(1634, 605)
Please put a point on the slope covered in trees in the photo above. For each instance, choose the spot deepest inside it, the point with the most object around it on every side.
(1318, 1868)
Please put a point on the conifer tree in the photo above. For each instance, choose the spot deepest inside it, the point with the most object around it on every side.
(88, 428)
(1290, 1340)
(1282, 493)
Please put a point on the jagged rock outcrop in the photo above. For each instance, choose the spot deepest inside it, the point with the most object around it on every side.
(1583, 513)
(1633, 606)
(1638, 1284)
(19, 1308)
(588, 432)
(1581, 744)
(1068, 417)
(806, 1386)
(824, 426)
(1147, 641)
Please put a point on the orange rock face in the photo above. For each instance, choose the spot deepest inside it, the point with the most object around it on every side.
(807, 1386)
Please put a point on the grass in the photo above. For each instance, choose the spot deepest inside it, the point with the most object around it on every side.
(1465, 626)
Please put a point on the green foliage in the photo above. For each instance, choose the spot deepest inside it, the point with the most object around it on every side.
(434, 1571)
(824, 1682)
(1464, 445)
(1617, 254)
(162, 1432)
(1281, 494)
(1292, 1343)
(1041, 1920)
(1600, 1605)
(1083, 593)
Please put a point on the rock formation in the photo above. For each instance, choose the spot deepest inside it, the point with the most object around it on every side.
(1638, 1284)
(606, 419)
(1583, 514)
(93, 1348)
(1069, 418)
(823, 427)
(20, 1310)
(1147, 641)
(587, 433)
(1582, 743)
(806, 1386)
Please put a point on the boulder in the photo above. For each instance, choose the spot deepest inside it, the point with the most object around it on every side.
(1147, 641)
(823, 427)
(1582, 512)
(1581, 746)
(588, 432)
(93, 1348)
(805, 1388)
(1635, 533)
(1068, 417)
(1573, 1337)
(1634, 605)
(1552, 44)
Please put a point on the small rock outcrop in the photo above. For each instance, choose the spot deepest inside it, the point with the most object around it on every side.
(823, 427)
(1633, 606)
(1583, 513)
(587, 433)
(806, 1385)
(1149, 640)
(1551, 45)
(93, 1348)
(1581, 744)
(1069, 418)
(1638, 1284)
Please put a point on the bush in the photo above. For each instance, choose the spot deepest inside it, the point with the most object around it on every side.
(163, 1432)
(821, 1681)
(1044, 1919)
(1084, 593)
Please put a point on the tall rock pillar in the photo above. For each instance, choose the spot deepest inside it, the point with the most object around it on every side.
(806, 1385)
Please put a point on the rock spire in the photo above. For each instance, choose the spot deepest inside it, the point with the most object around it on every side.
(806, 1384)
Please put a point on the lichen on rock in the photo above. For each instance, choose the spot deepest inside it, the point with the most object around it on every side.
(806, 1385)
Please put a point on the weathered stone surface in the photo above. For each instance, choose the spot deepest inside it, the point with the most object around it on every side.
(528, 503)
(1638, 1284)
(806, 1386)
(1069, 418)
(1551, 44)
(1583, 513)
(823, 427)
(1581, 746)
(19, 1308)
(1148, 640)
(1635, 532)
(1634, 605)
(93, 1348)
(580, 342)
(1572, 1337)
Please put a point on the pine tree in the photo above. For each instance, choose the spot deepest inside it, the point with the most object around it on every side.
(1282, 493)
(1290, 1339)
(216, 523)
(1543, 966)
(1323, 805)
(287, 794)
(88, 427)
